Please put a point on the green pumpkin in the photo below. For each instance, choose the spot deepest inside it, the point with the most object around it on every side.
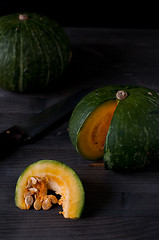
(34, 51)
(119, 124)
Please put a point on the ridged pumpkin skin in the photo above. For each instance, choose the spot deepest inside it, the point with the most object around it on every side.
(132, 140)
(33, 52)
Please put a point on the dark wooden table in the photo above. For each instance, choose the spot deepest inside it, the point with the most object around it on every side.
(118, 206)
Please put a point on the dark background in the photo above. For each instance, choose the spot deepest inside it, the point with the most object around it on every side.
(109, 14)
(118, 206)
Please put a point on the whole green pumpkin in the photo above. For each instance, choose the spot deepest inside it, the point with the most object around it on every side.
(119, 124)
(34, 51)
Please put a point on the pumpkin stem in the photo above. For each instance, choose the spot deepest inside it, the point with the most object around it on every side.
(23, 17)
(121, 94)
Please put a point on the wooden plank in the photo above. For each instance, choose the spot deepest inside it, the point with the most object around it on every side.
(118, 205)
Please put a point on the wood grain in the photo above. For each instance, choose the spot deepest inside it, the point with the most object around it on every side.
(118, 205)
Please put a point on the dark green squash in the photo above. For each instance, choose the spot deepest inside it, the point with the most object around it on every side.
(132, 137)
(34, 51)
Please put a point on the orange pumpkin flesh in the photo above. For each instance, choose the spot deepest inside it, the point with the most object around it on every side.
(91, 138)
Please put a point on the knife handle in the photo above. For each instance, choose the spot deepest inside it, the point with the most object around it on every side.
(11, 139)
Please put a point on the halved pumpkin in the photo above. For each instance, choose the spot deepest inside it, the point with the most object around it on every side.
(35, 180)
(119, 124)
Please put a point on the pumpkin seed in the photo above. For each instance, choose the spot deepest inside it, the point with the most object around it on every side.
(33, 190)
(29, 185)
(33, 180)
(46, 204)
(53, 199)
(28, 201)
(39, 179)
(28, 193)
(37, 204)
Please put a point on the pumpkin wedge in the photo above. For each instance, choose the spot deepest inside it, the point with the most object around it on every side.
(119, 124)
(35, 181)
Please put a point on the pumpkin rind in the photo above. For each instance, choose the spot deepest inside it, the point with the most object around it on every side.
(33, 52)
(133, 137)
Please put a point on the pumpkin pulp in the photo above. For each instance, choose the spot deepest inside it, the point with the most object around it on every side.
(91, 138)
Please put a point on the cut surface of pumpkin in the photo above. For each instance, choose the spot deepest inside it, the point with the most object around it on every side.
(35, 181)
(91, 137)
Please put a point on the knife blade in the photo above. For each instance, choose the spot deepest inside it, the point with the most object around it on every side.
(15, 136)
